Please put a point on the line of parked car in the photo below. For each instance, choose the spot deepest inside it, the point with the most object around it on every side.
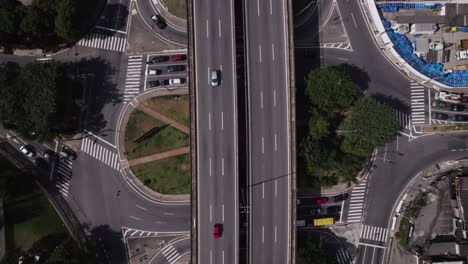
(170, 68)
(48, 156)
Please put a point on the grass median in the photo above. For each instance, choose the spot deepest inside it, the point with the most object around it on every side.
(176, 8)
(146, 135)
(167, 176)
(172, 106)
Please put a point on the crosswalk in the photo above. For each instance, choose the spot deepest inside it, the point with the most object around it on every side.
(402, 119)
(374, 233)
(356, 202)
(106, 156)
(418, 104)
(133, 79)
(343, 256)
(63, 176)
(101, 41)
(171, 254)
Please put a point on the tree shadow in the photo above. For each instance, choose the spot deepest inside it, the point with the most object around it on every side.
(114, 16)
(152, 132)
(359, 76)
(109, 244)
(393, 102)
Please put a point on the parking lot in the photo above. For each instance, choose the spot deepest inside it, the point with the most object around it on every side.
(165, 71)
(448, 107)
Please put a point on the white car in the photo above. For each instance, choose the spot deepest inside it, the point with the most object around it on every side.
(27, 150)
(176, 81)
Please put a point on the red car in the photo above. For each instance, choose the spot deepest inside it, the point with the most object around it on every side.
(321, 200)
(217, 230)
(176, 57)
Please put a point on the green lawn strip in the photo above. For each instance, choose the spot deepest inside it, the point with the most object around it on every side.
(167, 176)
(172, 106)
(166, 139)
(176, 7)
(410, 212)
(32, 217)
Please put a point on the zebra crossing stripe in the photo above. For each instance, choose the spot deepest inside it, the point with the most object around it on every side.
(374, 233)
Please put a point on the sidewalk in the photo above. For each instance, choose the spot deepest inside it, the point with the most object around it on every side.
(125, 164)
(173, 21)
(159, 156)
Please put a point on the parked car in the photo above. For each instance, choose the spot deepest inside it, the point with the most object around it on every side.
(153, 84)
(164, 82)
(440, 104)
(41, 163)
(462, 118)
(157, 59)
(333, 209)
(159, 21)
(154, 72)
(316, 211)
(457, 107)
(174, 68)
(340, 197)
(28, 151)
(215, 77)
(176, 81)
(321, 200)
(177, 57)
(67, 153)
(49, 154)
(217, 230)
(437, 115)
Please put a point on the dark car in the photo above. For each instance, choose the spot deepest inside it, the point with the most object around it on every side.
(217, 230)
(164, 82)
(440, 104)
(321, 200)
(174, 68)
(49, 154)
(41, 163)
(68, 154)
(457, 107)
(340, 197)
(157, 59)
(333, 209)
(153, 84)
(177, 57)
(441, 116)
(462, 118)
(159, 21)
(316, 211)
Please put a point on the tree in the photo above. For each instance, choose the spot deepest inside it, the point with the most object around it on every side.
(370, 124)
(35, 22)
(330, 89)
(310, 251)
(64, 21)
(8, 20)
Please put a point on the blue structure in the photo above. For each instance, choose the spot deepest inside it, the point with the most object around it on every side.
(394, 7)
(432, 70)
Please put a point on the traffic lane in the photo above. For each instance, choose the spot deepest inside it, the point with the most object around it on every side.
(262, 229)
(369, 255)
(389, 179)
(279, 200)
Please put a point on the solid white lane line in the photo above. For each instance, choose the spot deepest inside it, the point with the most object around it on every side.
(222, 120)
(208, 79)
(207, 30)
(272, 50)
(271, 8)
(219, 27)
(211, 213)
(354, 20)
(223, 256)
(222, 212)
(275, 234)
(210, 168)
(211, 257)
(263, 234)
(263, 145)
(276, 145)
(258, 8)
(209, 120)
(222, 166)
(261, 99)
(276, 188)
(260, 52)
(274, 98)
(263, 190)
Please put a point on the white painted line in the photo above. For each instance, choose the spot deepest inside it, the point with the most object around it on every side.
(272, 49)
(275, 233)
(210, 168)
(211, 213)
(260, 52)
(222, 120)
(142, 208)
(222, 166)
(207, 30)
(263, 145)
(274, 98)
(263, 190)
(263, 234)
(258, 8)
(261, 99)
(208, 76)
(219, 27)
(276, 145)
(354, 20)
(222, 212)
(209, 120)
(276, 188)
(370, 245)
(136, 218)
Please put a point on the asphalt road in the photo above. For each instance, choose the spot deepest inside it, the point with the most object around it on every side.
(267, 75)
(216, 131)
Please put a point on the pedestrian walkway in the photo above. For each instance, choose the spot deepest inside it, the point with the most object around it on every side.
(171, 254)
(159, 156)
(374, 233)
(356, 202)
(101, 41)
(63, 176)
(402, 119)
(133, 79)
(105, 155)
(418, 104)
(343, 256)
(183, 128)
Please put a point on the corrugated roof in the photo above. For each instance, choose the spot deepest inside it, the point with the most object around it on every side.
(444, 248)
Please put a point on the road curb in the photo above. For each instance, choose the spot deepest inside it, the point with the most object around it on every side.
(127, 173)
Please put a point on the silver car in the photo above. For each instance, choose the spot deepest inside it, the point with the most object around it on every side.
(215, 77)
